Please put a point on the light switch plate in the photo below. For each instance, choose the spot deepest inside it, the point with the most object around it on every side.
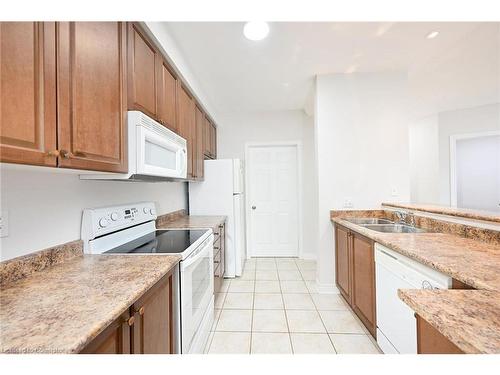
(394, 192)
(4, 223)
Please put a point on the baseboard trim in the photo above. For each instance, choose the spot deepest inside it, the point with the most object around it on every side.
(326, 288)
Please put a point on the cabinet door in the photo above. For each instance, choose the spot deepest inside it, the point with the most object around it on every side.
(186, 124)
(206, 137)
(166, 98)
(115, 339)
(198, 141)
(28, 92)
(342, 261)
(431, 341)
(153, 327)
(213, 142)
(142, 61)
(363, 281)
(92, 95)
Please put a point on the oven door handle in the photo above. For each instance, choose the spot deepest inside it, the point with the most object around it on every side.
(194, 258)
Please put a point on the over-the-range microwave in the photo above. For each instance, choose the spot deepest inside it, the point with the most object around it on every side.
(155, 153)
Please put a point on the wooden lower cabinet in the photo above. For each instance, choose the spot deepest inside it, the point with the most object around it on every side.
(431, 341)
(355, 274)
(343, 261)
(147, 327)
(219, 256)
(115, 339)
(363, 281)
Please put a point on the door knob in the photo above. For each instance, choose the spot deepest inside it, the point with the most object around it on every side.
(253, 207)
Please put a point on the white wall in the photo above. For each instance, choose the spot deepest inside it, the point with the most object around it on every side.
(361, 137)
(463, 121)
(45, 205)
(424, 160)
(235, 129)
(430, 148)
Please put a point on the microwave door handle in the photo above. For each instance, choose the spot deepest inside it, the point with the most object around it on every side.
(193, 259)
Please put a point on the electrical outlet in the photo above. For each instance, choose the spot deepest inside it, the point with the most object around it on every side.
(394, 192)
(348, 203)
(4, 223)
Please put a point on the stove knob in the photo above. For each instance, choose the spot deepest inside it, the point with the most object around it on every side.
(114, 216)
(152, 211)
(145, 210)
(103, 222)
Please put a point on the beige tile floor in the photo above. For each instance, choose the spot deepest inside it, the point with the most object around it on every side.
(274, 307)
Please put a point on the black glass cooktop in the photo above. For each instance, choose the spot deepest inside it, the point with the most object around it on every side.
(160, 242)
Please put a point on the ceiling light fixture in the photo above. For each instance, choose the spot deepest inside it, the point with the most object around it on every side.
(256, 30)
(432, 35)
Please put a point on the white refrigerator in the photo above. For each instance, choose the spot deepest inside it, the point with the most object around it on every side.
(221, 193)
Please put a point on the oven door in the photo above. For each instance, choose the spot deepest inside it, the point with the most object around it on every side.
(196, 289)
(158, 154)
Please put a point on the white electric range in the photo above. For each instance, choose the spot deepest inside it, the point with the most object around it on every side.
(131, 230)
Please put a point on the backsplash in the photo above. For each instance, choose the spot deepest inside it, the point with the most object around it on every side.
(23, 266)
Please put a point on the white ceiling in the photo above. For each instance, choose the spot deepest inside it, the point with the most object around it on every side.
(277, 73)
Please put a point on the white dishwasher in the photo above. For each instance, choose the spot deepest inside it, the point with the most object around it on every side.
(396, 324)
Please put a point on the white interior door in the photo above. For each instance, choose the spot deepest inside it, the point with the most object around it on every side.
(273, 200)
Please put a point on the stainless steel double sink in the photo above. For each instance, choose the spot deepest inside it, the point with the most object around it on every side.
(385, 225)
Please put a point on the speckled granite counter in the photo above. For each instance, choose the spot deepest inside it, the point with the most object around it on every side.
(468, 318)
(473, 262)
(192, 222)
(447, 210)
(62, 308)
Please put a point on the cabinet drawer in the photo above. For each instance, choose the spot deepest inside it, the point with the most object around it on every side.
(217, 259)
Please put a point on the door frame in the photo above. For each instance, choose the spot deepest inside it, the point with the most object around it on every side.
(298, 146)
(453, 159)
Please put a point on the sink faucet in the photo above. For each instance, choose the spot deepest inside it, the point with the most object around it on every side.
(405, 218)
(401, 215)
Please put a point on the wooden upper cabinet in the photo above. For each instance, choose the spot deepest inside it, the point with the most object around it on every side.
(92, 95)
(28, 92)
(166, 95)
(342, 261)
(210, 140)
(363, 281)
(153, 326)
(200, 124)
(142, 72)
(186, 122)
(206, 137)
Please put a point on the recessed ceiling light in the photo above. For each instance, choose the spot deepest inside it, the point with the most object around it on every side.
(432, 35)
(256, 30)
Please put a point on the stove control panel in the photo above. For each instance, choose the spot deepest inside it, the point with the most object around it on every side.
(100, 221)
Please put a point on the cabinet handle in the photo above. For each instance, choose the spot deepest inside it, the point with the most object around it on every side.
(131, 321)
(141, 311)
(216, 248)
(66, 154)
(54, 153)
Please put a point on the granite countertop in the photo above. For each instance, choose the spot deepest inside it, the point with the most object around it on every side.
(468, 318)
(489, 216)
(194, 222)
(62, 308)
